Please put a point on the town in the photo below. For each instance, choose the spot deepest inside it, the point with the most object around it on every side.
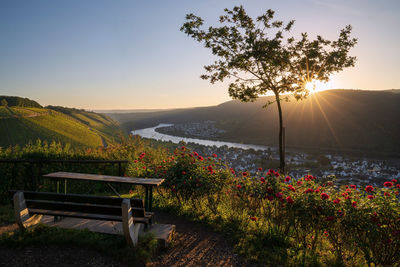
(341, 168)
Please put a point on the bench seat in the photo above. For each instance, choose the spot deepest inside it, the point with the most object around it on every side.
(30, 206)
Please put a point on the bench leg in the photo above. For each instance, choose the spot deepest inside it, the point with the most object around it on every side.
(21, 212)
(130, 228)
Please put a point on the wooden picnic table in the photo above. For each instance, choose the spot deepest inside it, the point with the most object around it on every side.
(148, 183)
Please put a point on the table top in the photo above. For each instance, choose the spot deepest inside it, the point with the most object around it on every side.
(106, 178)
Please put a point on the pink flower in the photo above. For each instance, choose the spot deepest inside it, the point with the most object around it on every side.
(309, 190)
(324, 196)
(369, 188)
(388, 184)
(394, 181)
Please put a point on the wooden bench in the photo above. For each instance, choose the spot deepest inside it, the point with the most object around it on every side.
(30, 206)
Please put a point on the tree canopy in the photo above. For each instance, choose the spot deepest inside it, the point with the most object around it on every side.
(259, 55)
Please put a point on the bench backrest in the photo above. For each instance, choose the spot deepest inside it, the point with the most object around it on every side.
(80, 203)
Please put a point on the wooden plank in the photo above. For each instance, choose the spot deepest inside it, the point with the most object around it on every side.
(91, 216)
(101, 200)
(76, 214)
(105, 178)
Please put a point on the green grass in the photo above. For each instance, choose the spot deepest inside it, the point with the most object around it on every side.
(19, 125)
(6, 214)
(110, 245)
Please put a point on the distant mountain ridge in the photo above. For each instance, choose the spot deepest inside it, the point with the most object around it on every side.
(341, 119)
(23, 124)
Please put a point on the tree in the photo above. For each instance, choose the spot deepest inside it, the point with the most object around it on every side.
(257, 56)
(4, 102)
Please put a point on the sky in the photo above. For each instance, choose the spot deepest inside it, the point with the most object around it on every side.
(103, 54)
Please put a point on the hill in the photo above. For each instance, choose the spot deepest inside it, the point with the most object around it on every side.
(21, 124)
(15, 101)
(342, 120)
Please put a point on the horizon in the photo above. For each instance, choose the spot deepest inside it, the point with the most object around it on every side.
(97, 55)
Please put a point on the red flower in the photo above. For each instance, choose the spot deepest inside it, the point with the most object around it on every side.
(287, 179)
(369, 188)
(388, 184)
(398, 186)
(336, 201)
(238, 186)
(353, 186)
(387, 194)
(277, 174)
(289, 200)
(394, 181)
(370, 197)
(183, 148)
(330, 218)
(291, 188)
(183, 172)
(253, 218)
(324, 196)
(200, 158)
(195, 154)
(244, 173)
(130, 192)
(270, 198)
(209, 168)
(354, 204)
(299, 182)
(309, 190)
(214, 155)
(135, 161)
(260, 169)
(278, 195)
(262, 179)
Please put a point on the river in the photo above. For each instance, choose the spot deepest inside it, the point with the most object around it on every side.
(152, 134)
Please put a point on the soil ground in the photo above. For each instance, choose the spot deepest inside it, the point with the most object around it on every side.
(194, 245)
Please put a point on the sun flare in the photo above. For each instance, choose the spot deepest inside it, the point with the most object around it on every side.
(315, 86)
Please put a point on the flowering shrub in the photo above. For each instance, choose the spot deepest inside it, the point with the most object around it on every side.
(347, 219)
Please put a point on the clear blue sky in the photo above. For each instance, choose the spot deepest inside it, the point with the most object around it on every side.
(103, 54)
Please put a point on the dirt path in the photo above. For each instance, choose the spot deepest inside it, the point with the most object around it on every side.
(195, 245)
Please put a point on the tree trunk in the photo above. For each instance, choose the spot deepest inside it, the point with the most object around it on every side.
(281, 153)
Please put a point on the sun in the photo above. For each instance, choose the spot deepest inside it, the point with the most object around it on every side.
(315, 86)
